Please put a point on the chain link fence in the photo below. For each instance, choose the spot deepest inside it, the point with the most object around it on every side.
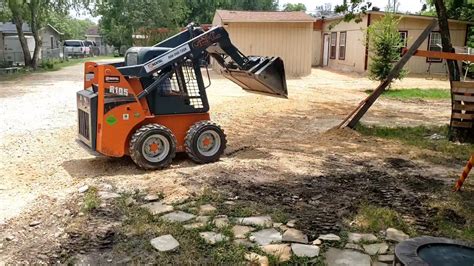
(15, 58)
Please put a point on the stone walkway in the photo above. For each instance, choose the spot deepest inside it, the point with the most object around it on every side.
(279, 240)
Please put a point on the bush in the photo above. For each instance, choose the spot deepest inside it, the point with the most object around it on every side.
(47, 64)
(384, 44)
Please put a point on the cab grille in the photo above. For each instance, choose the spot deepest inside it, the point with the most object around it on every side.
(84, 126)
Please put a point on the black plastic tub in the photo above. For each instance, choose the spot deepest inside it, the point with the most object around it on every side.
(434, 251)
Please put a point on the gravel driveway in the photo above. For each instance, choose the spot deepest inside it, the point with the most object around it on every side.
(42, 162)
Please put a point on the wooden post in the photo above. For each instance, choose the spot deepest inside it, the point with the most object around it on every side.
(364, 106)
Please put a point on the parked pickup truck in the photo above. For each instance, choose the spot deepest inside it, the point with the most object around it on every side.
(76, 48)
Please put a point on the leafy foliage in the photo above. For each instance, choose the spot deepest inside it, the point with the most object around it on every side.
(384, 44)
(202, 11)
(294, 7)
(354, 10)
(456, 9)
(5, 13)
(122, 18)
(72, 28)
(36, 14)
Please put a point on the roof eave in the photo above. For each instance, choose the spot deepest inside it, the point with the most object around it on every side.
(262, 21)
(420, 17)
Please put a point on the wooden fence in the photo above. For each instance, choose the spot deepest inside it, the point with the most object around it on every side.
(462, 115)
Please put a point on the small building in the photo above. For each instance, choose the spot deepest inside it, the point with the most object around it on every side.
(93, 34)
(284, 34)
(10, 47)
(101, 48)
(50, 36)
(343, 46)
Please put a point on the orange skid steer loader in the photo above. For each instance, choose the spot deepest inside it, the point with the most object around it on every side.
(154, 104)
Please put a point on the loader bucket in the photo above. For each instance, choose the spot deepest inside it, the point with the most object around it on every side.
(268, 77)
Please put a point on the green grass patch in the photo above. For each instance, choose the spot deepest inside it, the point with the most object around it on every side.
(455, 213)
(139, 227)
(453, 230)
(91, 200)
(57, 64)
(419, 136)
(373, 219)
(51, 65)
(415, 93)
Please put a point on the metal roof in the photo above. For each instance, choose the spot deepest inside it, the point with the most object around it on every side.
(263, 16)
(8, 27)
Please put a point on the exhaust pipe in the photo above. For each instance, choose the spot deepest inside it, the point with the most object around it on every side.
(267, 76)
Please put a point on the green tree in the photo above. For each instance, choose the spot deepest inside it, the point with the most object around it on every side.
(384, 45)
(19, 15)
(202, 11)
(353, 10)
(72, 28)
(294, 7)
(5, 13)
(455, 9)
(122, 18)
(35, 13)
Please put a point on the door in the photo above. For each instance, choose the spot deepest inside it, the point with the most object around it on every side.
(326, 50)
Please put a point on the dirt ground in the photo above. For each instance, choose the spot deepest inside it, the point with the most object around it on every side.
(279, 150)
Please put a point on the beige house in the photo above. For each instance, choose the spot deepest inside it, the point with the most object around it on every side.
(284, 34)
(342, 46)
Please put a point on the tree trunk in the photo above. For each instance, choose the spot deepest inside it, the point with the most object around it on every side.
(21, 37)
(453, 67)
(36, 35)
(462, 135)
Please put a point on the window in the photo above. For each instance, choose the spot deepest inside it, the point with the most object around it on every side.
(333, 45)
(434, 44)
(52, 41)
(73, 43)
(403, 40)
(342, 45)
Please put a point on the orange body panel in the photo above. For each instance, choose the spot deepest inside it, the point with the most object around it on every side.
(116, 126)
(90, 74)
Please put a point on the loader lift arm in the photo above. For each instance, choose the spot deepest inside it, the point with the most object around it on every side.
(255, 73)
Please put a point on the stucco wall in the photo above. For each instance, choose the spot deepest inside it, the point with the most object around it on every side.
(355, 44)
(290, 41)
(46, 34)
(316, 53)
(415, 27)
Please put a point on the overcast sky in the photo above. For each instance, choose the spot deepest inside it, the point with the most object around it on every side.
(405, 5)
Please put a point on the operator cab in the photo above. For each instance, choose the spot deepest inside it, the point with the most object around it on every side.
(141, 55)
(177, 94)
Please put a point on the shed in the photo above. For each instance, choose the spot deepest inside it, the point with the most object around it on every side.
(271, 33)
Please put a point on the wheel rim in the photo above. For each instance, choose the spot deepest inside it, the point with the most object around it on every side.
(208, 143)
(155, 148)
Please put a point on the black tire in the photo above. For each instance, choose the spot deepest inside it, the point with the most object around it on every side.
(192, 137)
(138, 141)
